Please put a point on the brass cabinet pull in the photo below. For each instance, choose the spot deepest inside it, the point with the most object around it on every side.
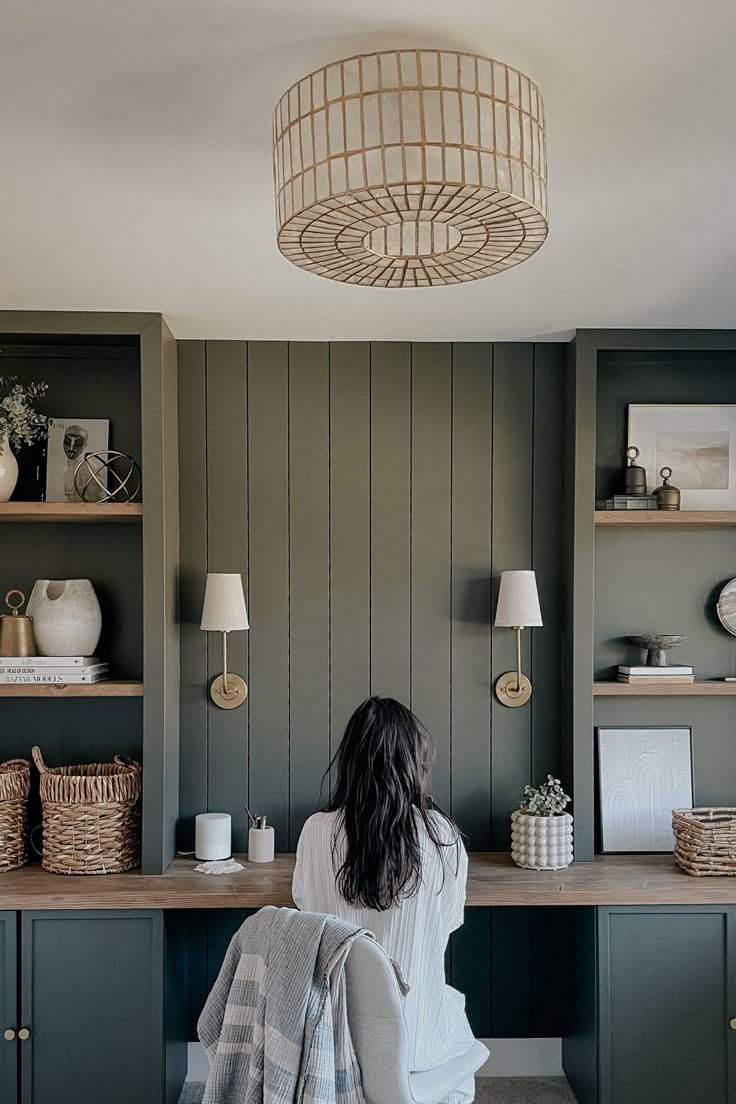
(9, 1035)
(24, 1034)
(732, 1024)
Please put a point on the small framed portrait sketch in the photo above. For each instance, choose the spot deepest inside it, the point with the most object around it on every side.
(70, 440)
(643, 774)
(697, 442)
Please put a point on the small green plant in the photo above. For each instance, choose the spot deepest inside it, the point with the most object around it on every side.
(546, 800)
(20, 422)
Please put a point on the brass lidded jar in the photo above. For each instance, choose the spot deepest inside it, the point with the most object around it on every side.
(668, 497)
(16, 629)
(636, 475)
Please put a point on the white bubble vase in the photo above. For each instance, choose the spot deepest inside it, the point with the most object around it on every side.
(541, 843)
(8, 470)
(66, 617)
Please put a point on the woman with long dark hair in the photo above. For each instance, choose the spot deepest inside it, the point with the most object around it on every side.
(384, 857)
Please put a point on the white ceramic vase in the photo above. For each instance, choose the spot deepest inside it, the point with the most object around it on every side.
(66, 617)
(8, 470)
(541, 843)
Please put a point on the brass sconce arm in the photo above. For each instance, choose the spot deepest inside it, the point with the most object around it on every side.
(228, 690)
(513, 688)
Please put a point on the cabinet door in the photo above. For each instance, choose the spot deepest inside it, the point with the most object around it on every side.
(8, 1008)
(91, 996)
(665, 1000)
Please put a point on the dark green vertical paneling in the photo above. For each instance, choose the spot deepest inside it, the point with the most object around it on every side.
(513, 421)
(369, 494)
(309, 563)
(227, 551)
(268, 466)
(391, 519)
(513, 426)
(579, 557)
(547, 494)
(472, 385)
(431, 511)
(350, 543)
(511, 975)
(471, 968)
(192, 571)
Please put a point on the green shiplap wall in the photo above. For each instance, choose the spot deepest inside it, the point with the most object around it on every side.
(370, 494)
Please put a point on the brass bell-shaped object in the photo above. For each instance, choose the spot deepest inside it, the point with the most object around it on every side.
(668, 497)
(16, 629)
(636, 475)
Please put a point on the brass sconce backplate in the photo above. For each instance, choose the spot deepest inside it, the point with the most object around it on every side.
(236, 694)
(513, 692)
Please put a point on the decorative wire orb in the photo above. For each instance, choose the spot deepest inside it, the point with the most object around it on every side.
(409, 168)
(93, 476)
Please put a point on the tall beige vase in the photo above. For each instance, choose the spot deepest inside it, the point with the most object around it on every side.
(8, 470)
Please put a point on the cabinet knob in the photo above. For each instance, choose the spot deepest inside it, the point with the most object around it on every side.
(732, 1024)
(24, 1034)
(9, 1035)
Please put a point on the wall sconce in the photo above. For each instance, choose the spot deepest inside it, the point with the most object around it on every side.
(518, 608)
(224, 611)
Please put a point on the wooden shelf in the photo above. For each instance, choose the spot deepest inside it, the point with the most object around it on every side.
(665, 518)
(493, 880)
(707, 687)
(71, 511)
(128, 689)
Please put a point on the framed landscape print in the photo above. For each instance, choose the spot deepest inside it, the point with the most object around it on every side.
(698, 442)
(643, 774)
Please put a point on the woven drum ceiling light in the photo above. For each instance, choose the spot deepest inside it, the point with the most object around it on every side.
(410, 168)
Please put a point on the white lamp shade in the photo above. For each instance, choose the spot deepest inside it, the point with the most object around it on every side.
(518, 600)
(224, 604)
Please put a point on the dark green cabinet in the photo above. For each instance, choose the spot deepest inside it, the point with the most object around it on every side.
(92, 994)
(657, 1026)
(8, 1007)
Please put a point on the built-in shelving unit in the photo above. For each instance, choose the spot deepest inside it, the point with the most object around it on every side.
(664, 578)
(663, 518)
(626, 690)
(127, 688)
(71, 511)
(121, 367)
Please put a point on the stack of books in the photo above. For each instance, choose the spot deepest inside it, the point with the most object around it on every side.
(632, 502)
(656, 676)
(62, 670)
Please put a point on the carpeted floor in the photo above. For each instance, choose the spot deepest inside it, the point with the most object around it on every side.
(491, 1090)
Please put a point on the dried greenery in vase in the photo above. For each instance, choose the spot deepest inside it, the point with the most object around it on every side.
(20, 422)
(547, 800)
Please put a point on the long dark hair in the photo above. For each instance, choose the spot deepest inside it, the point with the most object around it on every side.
(381, 791)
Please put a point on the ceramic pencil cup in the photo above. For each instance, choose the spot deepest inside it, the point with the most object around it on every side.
(260, 842)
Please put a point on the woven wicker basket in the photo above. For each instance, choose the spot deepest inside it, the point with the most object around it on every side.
(91, 816)
(705, 841)
(15, 783)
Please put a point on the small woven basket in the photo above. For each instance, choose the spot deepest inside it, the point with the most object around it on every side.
(705, 841)
(15, 784)
(91, 816)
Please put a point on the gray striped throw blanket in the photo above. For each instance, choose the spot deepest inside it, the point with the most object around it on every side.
(275, 1025)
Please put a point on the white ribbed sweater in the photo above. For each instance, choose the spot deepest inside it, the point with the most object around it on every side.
(414, 932)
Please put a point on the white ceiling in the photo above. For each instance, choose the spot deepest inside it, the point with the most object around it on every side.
(135, 169)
